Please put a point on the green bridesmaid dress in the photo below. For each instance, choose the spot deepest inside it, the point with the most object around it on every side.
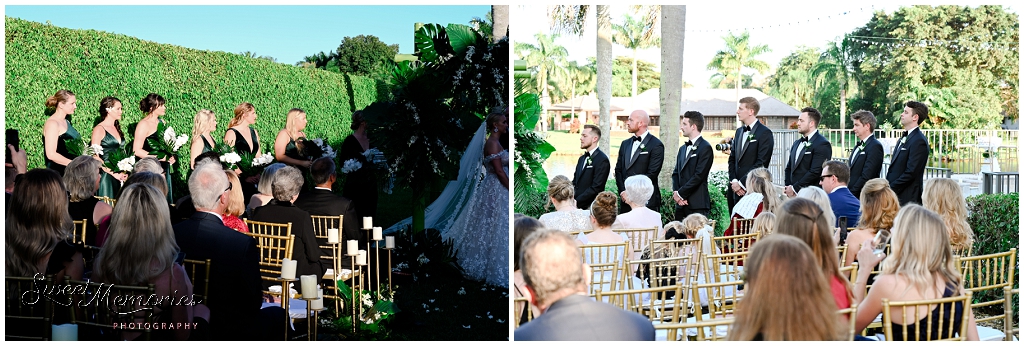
(62, 148)
(109, 186)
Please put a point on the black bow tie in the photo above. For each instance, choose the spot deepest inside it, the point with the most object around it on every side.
(860, 143)
(746, 129)
(689, 143)
(586, 154)
(904, 134)
(803, 139)
(637, 138)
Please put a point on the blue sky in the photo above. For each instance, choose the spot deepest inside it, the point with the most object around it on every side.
(287, 33)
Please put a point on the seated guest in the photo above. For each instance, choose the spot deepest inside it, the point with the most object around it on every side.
(235, 284)
(803, 219)
(760, 196)
(696, 226)
(141, 250)
(235, 205)
(818, 196)
(149, 164)
(556, 278)
(921, 266)
(673, 231)
(153, 179)
(82, 177)
(566, 217)
(878, 208)
(183, 208)
(782, 272)
(638, 191)
(286, 185)
(323, 202)
(264, 188)
(764, 224)
(944, 197)
(38, 227)
(834, 176)
(523, 227)
(602, 215)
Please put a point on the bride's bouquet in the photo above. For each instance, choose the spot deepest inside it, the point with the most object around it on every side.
(168, 144)
(120, 160)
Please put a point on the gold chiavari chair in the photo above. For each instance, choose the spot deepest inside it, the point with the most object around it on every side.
(989, 273)
(199, 273)
(850, 315)
(722, 298)
(660, 305)
(736, 243)
(964, 251)
(742, 226)
(606, 263)
(575, 234)
(724, 267)
(28, 312)
(842, 253)
(681, 247)
(850, 272)
(107, 200)
(702, 329)
(638, 238)
(101, 319)
(269, 228)
(273, 250)
(1009, 331)
(322, 223)
(519, 311)
(922, 311)
(78, 233)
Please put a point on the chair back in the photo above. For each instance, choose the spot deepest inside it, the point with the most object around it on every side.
(107, 200)
(604, 252)
(742, 226)
(606, 263)
(681, 247)
(722, 298)
(269, 228)
(519, 311)
(666, 271)
(850, 317)
(964, 251)
(724, 267)
(987, 273)
(850, 272)
(28, 312)
(575, 234)
(736, 243)
(100, 319)
(933, 319)
(638, 238)
(1009, 331)
(660, 304)
(78, 233)
(273, 250)
(842, 253)
(677, 331)
(199, 273)
(321, 224)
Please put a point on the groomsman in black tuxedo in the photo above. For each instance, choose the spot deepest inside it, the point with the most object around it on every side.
(693, 166)
(641, 154)
(866, 159)
(909, 157)
(592, 168)
(808, 153)
(752, 147)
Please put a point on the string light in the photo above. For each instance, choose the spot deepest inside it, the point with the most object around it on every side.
(860, 10)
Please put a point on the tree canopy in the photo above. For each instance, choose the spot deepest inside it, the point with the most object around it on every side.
(364, 54)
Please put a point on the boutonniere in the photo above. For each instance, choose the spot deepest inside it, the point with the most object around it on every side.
(807, 145)
(643, 148)
(750, 136)
(589, 161)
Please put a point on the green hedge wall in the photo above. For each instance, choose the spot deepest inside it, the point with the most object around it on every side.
(41, 59)
(995, 220)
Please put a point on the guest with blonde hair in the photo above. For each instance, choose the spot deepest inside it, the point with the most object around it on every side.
(285, 148)
(236, 207)
(265, 192)
(878, 208)
(760, 196)
(944, 197)
(819, 197)
(804, 219)
(764, 224)
(204, 122)
(566, 217)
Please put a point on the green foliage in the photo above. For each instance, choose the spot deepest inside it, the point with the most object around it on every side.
(115, 156)
(432, 42)
(738, 54)
(364, 55)
(530, 150)
(648, 76)
(41, 59)
(546, 60)
(995, 220)
(791, 82)
(719, 208)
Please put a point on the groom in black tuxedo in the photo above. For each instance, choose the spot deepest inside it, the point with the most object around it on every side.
(693, 166)
(322, 202)
(909, 157)
(592, 168)
(808, 153)
(752, 147)
(866, 159)
(641, 154)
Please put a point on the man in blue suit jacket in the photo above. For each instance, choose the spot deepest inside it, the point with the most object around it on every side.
(556, 278)
(834, 175)
(909, 157)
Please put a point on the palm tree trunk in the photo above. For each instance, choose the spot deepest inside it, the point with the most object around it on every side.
(604, 74)
(499, 17)
(673, 33)
(545, 100)
(632, 100)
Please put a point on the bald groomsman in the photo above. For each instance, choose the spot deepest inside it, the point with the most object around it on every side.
(641, 154)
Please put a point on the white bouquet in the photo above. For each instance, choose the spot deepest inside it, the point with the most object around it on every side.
(263, 160)
(94, 149)
(230, 158)
(350, 166)
(126, 164)
(170, 144)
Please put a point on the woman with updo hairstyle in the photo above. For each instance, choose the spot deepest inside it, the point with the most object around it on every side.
(57, 130)
(153, 106)
(82, 178)
(804, 219)
(761, 196)
(361, 184)
(38, 227)
(878, 208)
(204, 122)
(786, 296)
(107, 134)
(639, 190)
(285, 148)
(602, 215)
(944, 197)
(566, 216)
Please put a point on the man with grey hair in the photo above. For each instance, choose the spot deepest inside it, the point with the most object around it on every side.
(235, 295)
(556, 278)
(640, 154)
(286, 185)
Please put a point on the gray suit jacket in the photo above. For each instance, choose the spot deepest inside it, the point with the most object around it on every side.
(578, 318)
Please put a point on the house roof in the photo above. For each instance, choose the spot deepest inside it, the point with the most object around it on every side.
(715, 102)
(584, 103)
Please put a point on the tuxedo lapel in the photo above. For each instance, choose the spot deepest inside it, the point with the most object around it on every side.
(581, 165)
(737, 144)
(636, 155)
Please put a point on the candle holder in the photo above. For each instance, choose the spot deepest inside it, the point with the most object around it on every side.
(376, 252)
(336, 248)
(286, 296)
(389, 269)
(311, 318)
(352, 267)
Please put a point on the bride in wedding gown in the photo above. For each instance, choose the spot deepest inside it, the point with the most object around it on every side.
(473, 210)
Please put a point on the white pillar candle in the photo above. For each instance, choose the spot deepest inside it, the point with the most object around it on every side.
(288, 269)
(389, 242)
(352, 248)
(64, 332)
(319, 302)
(378, 233)
(367, 222)
(308, 285)
(332, 236)
(361, 258)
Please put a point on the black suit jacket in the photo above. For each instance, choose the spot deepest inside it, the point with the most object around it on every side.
(326, 203)
(758, 152)
(578, 318)
(866, 165)
(589, 180)
(807, 171)
(690, 178)
(235, 288)
(305, 250)
(906, 172)
(646, 161)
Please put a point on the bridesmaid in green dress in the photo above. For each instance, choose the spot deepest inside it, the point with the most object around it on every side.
(153, 106)
(108, 135)
(286, 151)
(58, 129)
(202, 124)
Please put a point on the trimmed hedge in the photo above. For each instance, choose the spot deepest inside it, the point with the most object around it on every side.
(42, 59)
(995, 220)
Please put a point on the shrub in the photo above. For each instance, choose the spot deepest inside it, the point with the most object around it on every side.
(995, 220)
(530, 202)
(719, 209)
(42, 59)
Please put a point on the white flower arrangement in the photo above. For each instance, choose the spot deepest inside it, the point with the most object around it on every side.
(230, 158)
(180, 141)
(423, 259)
(173, 140)
(127, 165)
(351, 165)
(264, 159)
(94, 149)
(371, 154)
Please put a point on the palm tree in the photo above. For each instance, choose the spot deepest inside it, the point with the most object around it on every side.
(499, 21)
(576, 75)
(836, 66)
(635, 35)
(673, 30)
(738, 54)
(572, 19)
(546, 58)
